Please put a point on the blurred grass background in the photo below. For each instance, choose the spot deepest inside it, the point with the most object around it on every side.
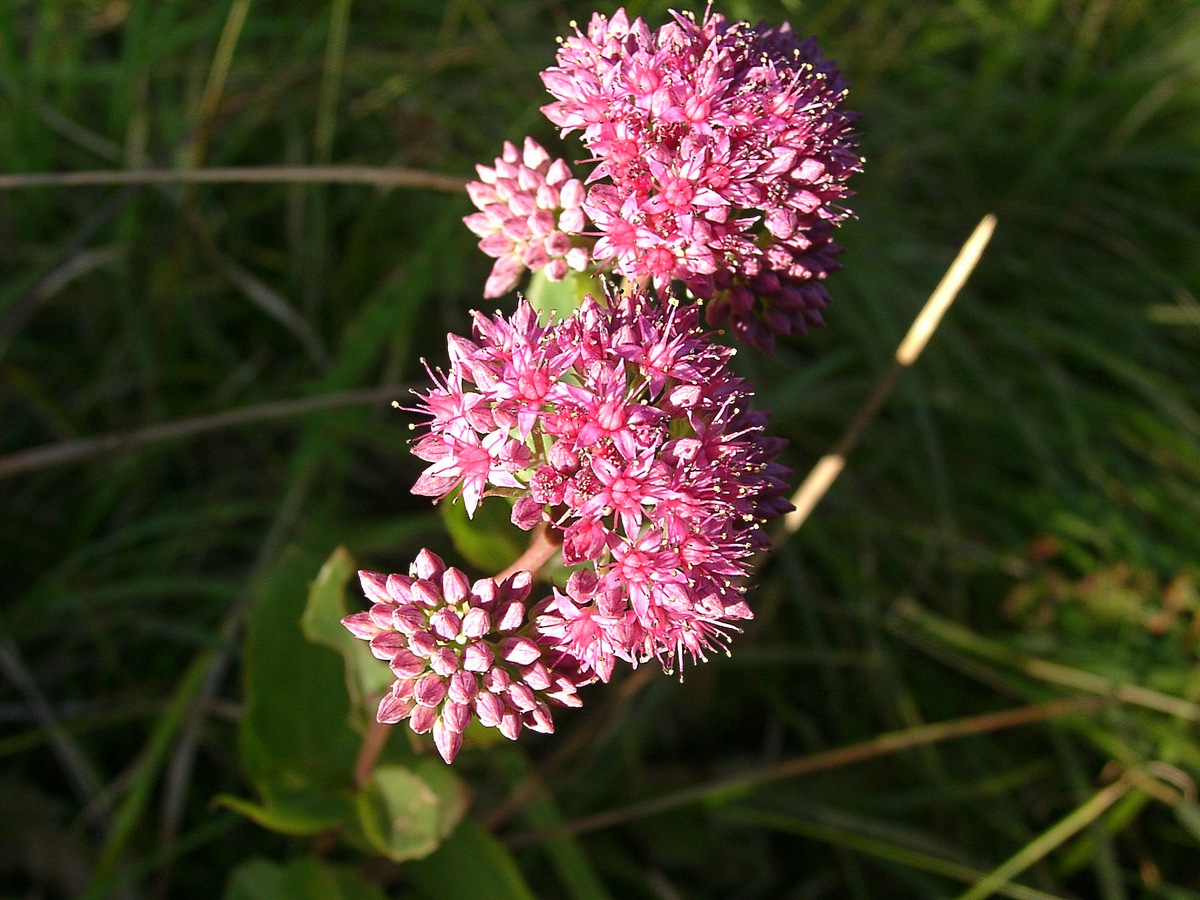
(1021, 526)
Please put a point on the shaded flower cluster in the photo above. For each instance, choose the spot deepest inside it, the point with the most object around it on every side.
(461, 651)
(720, 151)
(530, 207)
(623, 428)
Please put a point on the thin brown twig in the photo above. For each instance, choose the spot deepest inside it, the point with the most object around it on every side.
(881, 745)
(378, 176)
(829, 466)
(85, 448)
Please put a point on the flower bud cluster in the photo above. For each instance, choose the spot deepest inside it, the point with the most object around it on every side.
(461, 651)
(530, 209)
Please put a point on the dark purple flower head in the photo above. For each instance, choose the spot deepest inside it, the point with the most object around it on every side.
(623, 428)
(721, 152)
(461, 651)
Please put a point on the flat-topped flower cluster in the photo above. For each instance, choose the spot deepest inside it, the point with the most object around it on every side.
(719, 153)
(622, 429)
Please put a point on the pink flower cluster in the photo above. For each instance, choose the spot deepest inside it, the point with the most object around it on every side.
(529, 207)
(622, 428)
(461, 651)
(720, 153)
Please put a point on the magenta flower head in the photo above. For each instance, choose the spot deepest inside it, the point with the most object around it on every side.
(721, 151)
(623, 429)
(530, 207)
(461, 651)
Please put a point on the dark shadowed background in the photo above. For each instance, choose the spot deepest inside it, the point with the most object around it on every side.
(205, 373)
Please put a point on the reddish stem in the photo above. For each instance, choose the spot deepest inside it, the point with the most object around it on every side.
(373, 743)
(542, 546)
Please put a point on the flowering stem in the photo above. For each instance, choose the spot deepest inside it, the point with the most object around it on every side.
(368, 755)
(542, 546)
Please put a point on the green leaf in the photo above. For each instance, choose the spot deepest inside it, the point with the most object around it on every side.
(470, 864)
(490, 541)
(300, 879)
(326, 603)
(299, 813)
(1188, 815)
(295, 732)
(366, 676)
(258, 878)
(406, 812)
(560, 298)
(453, 798)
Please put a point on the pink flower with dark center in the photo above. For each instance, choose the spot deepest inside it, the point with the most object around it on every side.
(721, 152)
(529, 210)
(636, 443)
(461, 651)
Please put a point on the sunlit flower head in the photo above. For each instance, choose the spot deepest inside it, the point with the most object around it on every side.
(623, 429)
(529, 210)
(720, 152)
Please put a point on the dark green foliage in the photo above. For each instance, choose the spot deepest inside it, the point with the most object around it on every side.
(1022, 524)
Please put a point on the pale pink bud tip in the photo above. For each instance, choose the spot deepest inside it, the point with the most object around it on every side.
(428, 566)
(361, 625)
(435, 630)
(429, 690)
(519, 650)
(374, 585)
(394, 709)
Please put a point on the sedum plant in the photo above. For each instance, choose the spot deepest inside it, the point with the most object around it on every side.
(716, 155)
